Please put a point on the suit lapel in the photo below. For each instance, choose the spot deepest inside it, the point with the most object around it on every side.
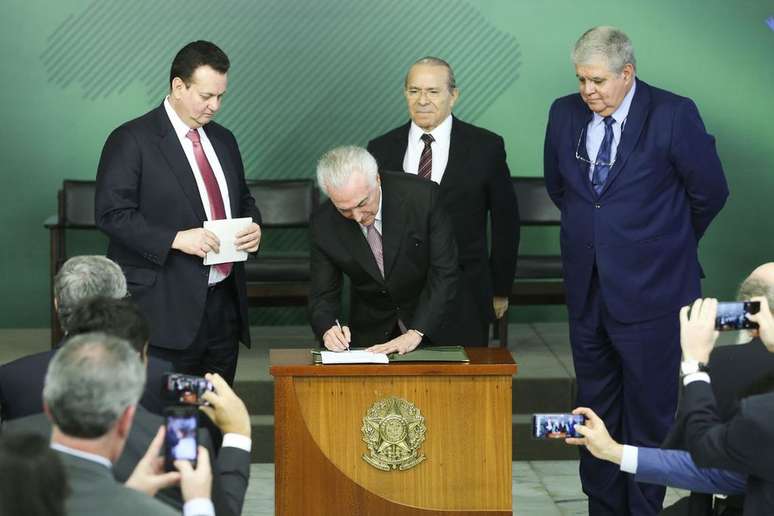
(224, 157)
(397, 151)
(458, 151)
(178, 163)
(635, 121)
(352, 238)
(580, 122)
(393, 228)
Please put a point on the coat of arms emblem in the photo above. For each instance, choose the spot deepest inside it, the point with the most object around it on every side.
(394, 430)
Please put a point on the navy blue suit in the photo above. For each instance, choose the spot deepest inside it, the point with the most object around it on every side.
(630, 257)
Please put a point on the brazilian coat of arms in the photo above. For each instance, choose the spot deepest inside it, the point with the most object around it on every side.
(394, 430)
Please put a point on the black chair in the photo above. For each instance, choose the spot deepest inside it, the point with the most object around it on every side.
(75, 211)
(539, 278)
(281, 278)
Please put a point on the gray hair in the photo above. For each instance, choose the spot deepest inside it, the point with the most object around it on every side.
(434, 61)
(90, 381)
(84, 277)
(607, 44)
(337, 166)
(754, 286)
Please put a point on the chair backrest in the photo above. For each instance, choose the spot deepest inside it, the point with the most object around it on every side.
(284, 203)
(535, 206)
(76, 203)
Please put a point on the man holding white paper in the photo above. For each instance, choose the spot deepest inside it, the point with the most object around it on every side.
(171, 196)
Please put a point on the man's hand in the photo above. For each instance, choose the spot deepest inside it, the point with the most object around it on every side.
(403, 344)
(226, 409)
(596, 437)
(196, 241)
(195, 483)
(500, 305)
(149, 476)
(697, 332)
(337, 338)
(765, 323)
(249, 238)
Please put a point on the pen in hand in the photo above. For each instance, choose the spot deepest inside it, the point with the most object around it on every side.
(338, 325)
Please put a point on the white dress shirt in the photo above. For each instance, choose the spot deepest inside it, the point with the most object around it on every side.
(181, 130)
(377, 219)
(595, 131)
(440, 147)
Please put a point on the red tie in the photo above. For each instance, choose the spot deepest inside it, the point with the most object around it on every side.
(217, 211)
(425, 169)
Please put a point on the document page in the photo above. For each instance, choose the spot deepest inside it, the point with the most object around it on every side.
(226, 230)
(353, 357)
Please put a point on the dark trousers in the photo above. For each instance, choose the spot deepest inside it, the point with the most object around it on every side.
(628, 374)
(216, 346)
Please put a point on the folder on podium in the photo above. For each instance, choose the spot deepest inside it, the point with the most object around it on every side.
(413, 437)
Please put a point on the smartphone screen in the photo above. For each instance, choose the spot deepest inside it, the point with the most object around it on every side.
(183, 388)
(733, 315)
(180, 438)
(556, 426)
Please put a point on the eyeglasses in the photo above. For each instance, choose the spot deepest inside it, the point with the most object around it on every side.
(595, 163)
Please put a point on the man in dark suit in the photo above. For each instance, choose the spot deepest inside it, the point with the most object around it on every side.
(390, 235)
(159, 178)
(92, 387)
(469, 164)
(745, 442)
(80, 279)
(638, 181)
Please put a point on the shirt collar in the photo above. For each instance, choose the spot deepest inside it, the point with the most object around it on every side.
(442, 133)
(180, 127)
(92, 457)
(622, 112)
(378, 217)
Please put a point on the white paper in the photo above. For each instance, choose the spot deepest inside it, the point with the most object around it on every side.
(226, 230)
(353, 357)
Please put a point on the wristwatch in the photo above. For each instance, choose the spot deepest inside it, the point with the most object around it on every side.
(692, 366)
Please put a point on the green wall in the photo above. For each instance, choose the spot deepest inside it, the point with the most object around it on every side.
(309, 75)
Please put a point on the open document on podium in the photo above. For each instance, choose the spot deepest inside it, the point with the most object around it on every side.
(360, 356)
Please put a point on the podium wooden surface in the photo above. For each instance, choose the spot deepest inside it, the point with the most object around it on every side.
(318, 416)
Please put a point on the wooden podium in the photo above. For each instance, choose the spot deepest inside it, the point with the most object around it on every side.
(322, 414)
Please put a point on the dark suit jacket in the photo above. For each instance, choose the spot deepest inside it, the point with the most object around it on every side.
(737, 372)
(94, 491)
(21, 385)
(146, 193)
(642, 231)
(476, 187)
(420, 264)
(231, 467)
(745, 443)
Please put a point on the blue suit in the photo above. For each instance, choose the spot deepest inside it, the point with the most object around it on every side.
(630, 258)
(676, 468)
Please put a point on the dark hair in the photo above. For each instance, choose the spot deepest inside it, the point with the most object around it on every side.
(32, 478)
(196, 54)
(117, 317)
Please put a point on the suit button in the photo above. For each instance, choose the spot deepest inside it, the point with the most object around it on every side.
(386, 334)
(590, 246)
(597, 205)
(383, 292)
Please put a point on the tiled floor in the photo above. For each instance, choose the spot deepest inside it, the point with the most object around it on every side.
(540, 488)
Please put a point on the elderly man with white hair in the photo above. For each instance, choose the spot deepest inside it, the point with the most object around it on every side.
(390, 236)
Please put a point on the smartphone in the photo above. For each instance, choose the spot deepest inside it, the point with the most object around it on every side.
(556, 426)
(181, 441)
(733, 315)
(183, 388)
